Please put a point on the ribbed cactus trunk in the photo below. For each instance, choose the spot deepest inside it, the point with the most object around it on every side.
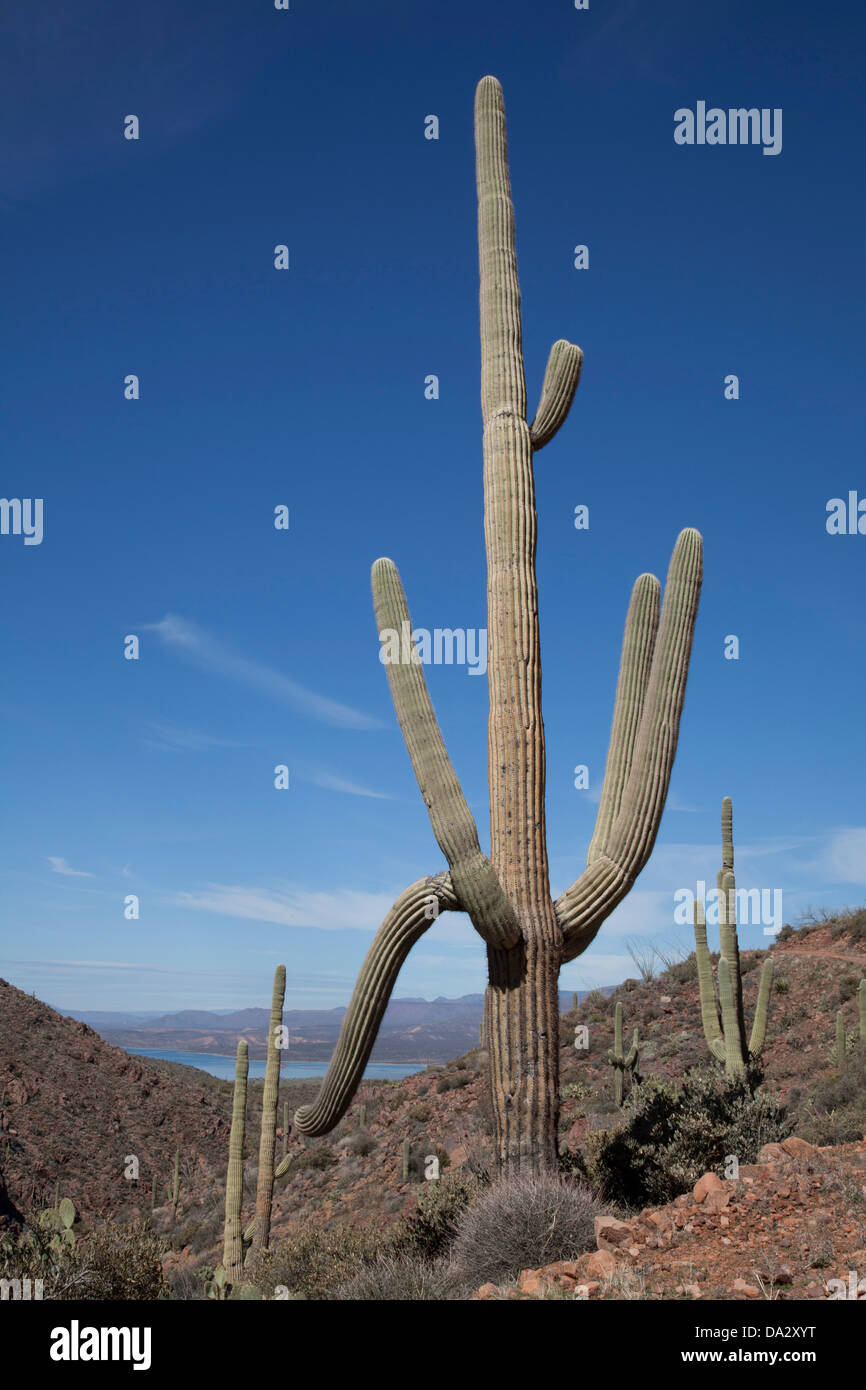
(270, 1099)
(507, 896)
(233, 1243)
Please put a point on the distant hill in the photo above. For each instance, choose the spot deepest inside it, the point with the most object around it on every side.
(413, 1030)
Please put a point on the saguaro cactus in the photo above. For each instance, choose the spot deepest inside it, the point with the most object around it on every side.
(507, 896)
(270, 1097)
(724, 1022)
(233, 1246)
(621, 1062)
(841, 1042)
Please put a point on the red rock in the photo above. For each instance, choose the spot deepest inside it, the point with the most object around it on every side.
(798, 1148)
(705, 1185)
(610, 1233)
(717, 1199)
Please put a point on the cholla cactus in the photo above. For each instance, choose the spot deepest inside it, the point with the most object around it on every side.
(507, 895)
(724, 1021)
(622, 1062)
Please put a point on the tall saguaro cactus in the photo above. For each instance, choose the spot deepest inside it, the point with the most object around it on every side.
(724, 1021)
(270, 1097)
(233, 1245)
(507, 896)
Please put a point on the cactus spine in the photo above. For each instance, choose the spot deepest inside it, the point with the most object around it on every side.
(270, 1098)
(529, 937)
(620, 1061)
(233, 1247)
(724, 1021)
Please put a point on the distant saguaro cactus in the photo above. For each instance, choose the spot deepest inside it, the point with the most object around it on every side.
(233, 1246)
(861, 999)
(270, 1098)
(724, 1022)
(507, 896)
(621, 1061)
(841, 1042)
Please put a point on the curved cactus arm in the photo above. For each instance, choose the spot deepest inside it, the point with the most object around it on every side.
(473, 877)
(629, 842)
(759, 1022)
(280, 1172)
(414, 911)
(561, 378)
(638, 643)
(735, 1063)
(709, 1008)
(630, 1059)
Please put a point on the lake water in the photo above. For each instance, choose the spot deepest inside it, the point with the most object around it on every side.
(224, 1067)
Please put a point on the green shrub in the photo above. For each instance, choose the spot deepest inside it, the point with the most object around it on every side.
(848, 988)
(781, 984)
(671, 1136)
(439, 1206)
(117, 1262)
(360, 1143)
(314, 1263)
(311, 1160)
(521, 1223)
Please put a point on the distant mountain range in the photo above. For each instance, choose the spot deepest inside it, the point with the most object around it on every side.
(413, 1030)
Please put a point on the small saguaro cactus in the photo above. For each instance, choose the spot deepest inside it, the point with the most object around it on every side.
(270, 1097)
(233, 1245)
(724, 1021)
(841, 1040)
(153, 1193)
(407, 1155)
(574, 1000)
(362, 1117)
(506, 896)
(861, 999)
(620, 1061)
(175, 1184)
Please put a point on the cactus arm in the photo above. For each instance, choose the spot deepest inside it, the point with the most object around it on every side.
(412, 914)
(630, 1060)
(727, 834)
(759, 1022)
(233, 1252)
(735, 1063)
(270, 1097)
(730, 944)
(641, 627)
(628, 845)
(472, 875)
(561, 378)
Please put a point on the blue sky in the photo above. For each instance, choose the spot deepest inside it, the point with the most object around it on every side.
(305, 388)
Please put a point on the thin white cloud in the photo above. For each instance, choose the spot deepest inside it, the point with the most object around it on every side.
(176, 740)
(341, 784)
(206, 651)
(345, 909)
(61, 866)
